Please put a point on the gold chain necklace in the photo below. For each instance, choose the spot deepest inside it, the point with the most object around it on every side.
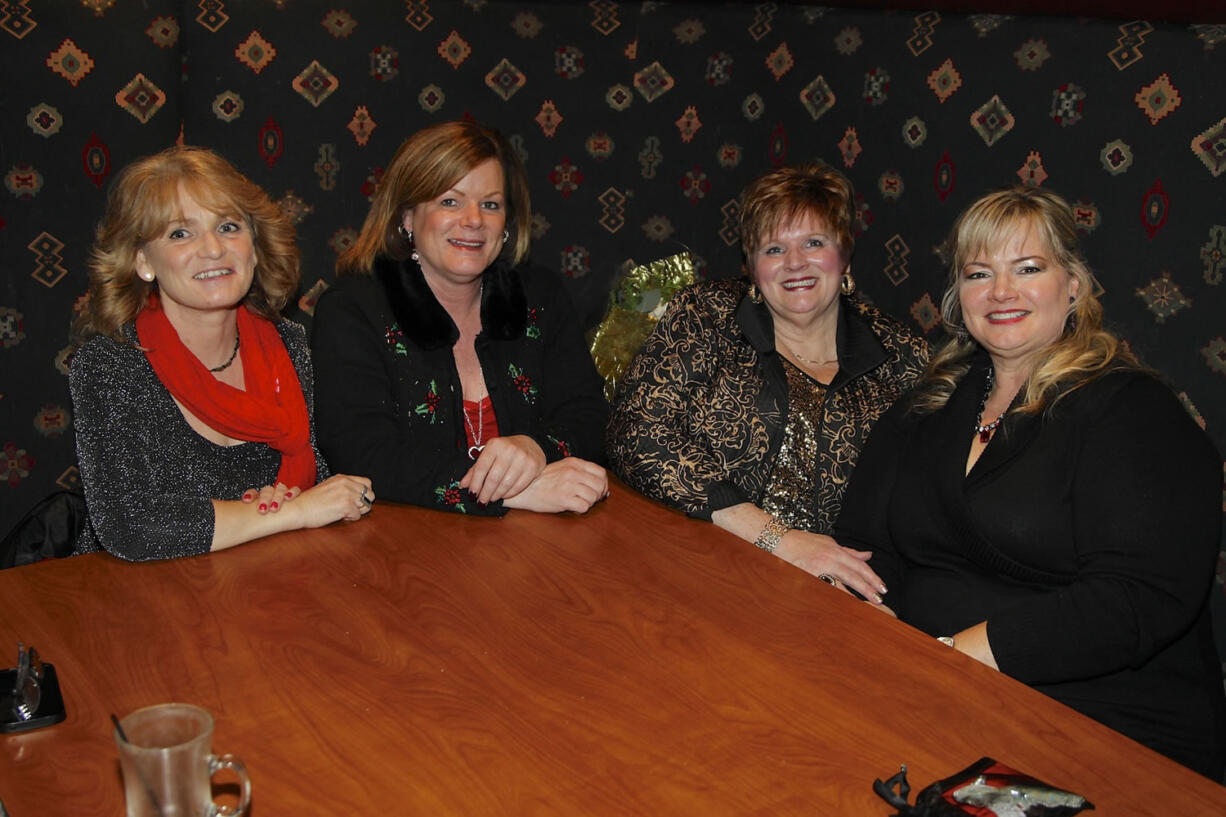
(804, 359)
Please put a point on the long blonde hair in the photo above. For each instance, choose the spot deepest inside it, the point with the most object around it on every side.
(427, 165)
(144, 200)
(1083, 351)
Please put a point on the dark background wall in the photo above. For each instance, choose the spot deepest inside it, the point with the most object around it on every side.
(639, 124)
(1188, 11)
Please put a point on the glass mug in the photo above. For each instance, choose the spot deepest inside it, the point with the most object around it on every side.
(168, 763)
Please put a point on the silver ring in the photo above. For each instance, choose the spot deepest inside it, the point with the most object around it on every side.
(365, 498)
(828, 579)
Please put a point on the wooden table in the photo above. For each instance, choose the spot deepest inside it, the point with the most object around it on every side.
(627, 662)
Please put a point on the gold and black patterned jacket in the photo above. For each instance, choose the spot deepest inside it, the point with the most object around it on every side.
(698, 419)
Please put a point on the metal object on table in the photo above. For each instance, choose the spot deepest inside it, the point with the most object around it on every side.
(29, 694)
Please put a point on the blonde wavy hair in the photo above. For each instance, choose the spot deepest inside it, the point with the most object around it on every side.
(427, 165)
(779, 196)
(1084, 351)
(144, 200)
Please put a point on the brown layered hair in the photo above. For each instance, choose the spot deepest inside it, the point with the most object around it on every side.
(782, 195)
(1084, 351)
(144, 200)
(427, 165)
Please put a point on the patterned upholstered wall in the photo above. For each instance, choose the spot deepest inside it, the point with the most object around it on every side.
(639, 124)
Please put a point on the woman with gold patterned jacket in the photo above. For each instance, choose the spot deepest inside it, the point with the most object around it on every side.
(749, 402)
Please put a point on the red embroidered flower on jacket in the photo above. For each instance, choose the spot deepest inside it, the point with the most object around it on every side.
(394, 336)
(451, 495)
(522, 382)
(430, 406)
(563, 448)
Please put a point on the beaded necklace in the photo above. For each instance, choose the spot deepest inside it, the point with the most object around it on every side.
(985, 432)
(233, 355)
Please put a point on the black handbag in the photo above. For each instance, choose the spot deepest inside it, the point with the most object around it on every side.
(49, 530)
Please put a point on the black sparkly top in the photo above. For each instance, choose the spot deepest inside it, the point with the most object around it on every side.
(149, 478)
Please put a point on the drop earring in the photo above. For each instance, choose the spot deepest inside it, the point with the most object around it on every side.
(848, 285)
(754, 294)
(407, 235)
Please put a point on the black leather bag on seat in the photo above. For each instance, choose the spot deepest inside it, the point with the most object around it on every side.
(48, 531)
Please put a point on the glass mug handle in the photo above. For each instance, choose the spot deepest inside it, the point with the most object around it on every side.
(216, 764)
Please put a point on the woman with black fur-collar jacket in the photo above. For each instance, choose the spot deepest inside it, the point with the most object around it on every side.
(458, 381)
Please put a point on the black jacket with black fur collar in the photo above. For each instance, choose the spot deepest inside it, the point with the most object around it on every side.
(388, 395)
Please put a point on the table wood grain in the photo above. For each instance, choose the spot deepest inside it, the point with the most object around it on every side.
(626, 662)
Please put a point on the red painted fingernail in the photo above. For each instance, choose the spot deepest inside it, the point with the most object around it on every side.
(275, 505)
(263, 507)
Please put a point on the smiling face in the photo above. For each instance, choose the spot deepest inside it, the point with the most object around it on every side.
(1015, 296)
(798, 267)
(458, 234)
(203, 262)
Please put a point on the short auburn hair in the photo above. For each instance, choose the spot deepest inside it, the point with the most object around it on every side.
(782, 195)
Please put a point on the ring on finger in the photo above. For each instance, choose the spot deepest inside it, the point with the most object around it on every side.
(828, 579)
(365, 499)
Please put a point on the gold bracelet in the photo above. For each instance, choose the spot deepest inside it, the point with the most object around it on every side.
(769, 538)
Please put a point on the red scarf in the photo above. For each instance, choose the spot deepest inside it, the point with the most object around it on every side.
(272, 410)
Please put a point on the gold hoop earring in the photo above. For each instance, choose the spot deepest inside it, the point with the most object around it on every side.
(848, 285)
(754, 295)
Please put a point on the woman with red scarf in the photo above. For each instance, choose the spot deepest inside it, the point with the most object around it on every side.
(193, 398)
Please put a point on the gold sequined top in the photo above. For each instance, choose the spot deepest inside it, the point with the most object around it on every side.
(791, 490)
